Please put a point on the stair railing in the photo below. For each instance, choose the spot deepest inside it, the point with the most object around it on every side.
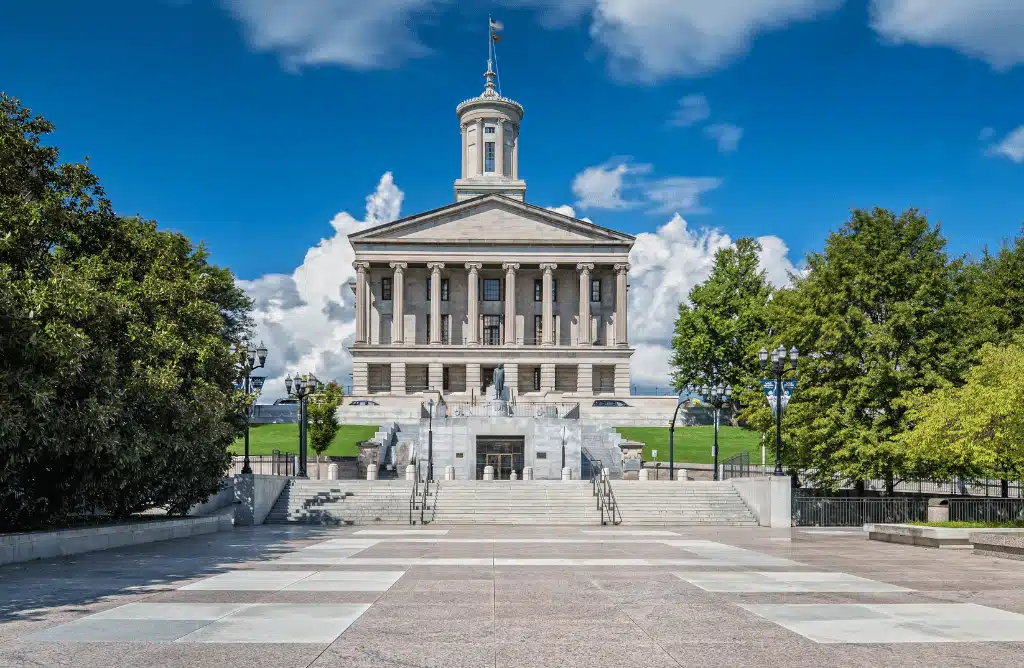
(412, 498)
(423, 501)
(614, 514)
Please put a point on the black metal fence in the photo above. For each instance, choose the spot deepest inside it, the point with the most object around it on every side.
(986, 510)
(737, 466)
(834, 511)
(278, 463)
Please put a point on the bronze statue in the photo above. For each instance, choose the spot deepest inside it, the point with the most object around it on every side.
(498, 379)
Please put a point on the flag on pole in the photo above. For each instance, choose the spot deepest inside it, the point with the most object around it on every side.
(495, 27)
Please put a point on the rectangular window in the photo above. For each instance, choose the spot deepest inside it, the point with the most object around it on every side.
(542, 455)
(489, 130)
(538, 289)
(554, 290)
(444, 289)
(444, 328)
(538, 328)
(595, 289)
(536, 379)
(385, 289)
(492, 330)
(444, 378)
(489, 157)
(492, 289)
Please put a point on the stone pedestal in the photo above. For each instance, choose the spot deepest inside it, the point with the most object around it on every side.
(938, 513)
(371, 472)
(449, 472)
(527, 473)
(410, 472)
(513, 476)
(644, 474)
(681, 475)
(488, 473)
(567, 473)
(332, 471)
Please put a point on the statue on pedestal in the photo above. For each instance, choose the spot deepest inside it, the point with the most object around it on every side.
(499, 380)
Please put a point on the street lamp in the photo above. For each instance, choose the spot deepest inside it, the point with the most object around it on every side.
(563, 447)
(778, 357)
(718, 397)
(245, 367)
(672, 439)
(430, 440)
(301, 387)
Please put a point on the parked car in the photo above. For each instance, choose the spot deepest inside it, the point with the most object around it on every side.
(364, 402)
(610, 403)
(286, 401)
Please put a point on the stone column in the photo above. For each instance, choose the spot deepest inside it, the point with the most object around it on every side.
(499, 149)
(515, 154)
(548, 314)
(585, 379)
(473, 378)
(512, 377)
(547, 377)
(510, 302)
(473, 310)
(583, 331)
(361, 299)
(398, 377)
(622, 380)
(360, 378)
(435, 376)
(480, 146)
(621, 328)
(464, 129)
(435, 301)
(398, 303)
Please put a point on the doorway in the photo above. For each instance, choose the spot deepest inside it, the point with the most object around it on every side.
(504, 453)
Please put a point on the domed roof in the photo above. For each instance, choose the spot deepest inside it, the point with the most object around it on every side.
(490, 97)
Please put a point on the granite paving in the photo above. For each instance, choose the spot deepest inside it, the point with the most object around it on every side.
(515, 597)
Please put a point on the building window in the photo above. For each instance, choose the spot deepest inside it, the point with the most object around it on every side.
(444, 328)
(554, 290)
(542, 455)
(595, 289)
(538, 289)
(489, 157)
(538, 328)
(444, 289)
(492, 330)
(492, 290)
(536, 379)
(489, 130)
(385, 289)
(444, 378)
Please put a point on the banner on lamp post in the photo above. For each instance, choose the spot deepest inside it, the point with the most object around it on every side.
(256, 383)
(788, 387)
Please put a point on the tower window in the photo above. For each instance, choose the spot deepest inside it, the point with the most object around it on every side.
(489, 157)
(595, 289)
(489, 130)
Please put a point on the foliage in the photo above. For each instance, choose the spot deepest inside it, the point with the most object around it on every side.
(322, 414)
(976, 430)
(115, 374)
(878, 320)
(995, 295)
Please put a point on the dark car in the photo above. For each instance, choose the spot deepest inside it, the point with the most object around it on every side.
(364, 402)
(285, 402)
(610, 403)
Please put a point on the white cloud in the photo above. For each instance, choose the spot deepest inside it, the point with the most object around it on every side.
(666, 264)
(566, 210)
(307, 318)
(601, 186)
(679, 194)
(620, 184)
(1011, 147)
(726, 135)
(692, 110)
(992, 30)
(643, 39)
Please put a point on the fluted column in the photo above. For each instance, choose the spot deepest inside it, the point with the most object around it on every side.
(473, 309)
(548, 310)
(510, 301)
(621, 324)
(398, 302)
(480, 146)
(435, 301)
(515, 154)
(584, 327)
(361, 299)
(499, 149)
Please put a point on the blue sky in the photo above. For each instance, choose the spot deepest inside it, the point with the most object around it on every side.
(250, 125)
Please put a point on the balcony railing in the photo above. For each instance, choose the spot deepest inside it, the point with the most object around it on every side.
(564, 411)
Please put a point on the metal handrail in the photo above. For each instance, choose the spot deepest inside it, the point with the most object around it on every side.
(613, 505)
(423, 501)
(412, 497)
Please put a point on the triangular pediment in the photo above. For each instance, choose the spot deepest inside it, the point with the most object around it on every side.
(491, 219)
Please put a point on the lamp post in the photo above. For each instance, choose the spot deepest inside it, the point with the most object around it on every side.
(672, 439)
(301, 387)
(778, 357)
(563, 447)
(245, 369)
(430, 440)
(718, 396)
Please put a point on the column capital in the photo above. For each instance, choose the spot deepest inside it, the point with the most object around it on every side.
(435, 266)
(510, 266)
(548, 267)
(474, 267)
(623, 268)
(584, 267)
(399, 266)
(361, 266)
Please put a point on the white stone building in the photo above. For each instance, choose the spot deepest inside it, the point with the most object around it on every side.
(443, 297)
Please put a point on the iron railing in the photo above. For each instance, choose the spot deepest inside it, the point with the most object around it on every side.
(986, 510)
(412, 498)
(277, 463)
(838, 511)
(483, 408)
(737, 466)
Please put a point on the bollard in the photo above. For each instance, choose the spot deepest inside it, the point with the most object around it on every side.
(371, 472)
(332, 471)
(449, 472)
(527, 473)
(681, 475)
(488, 473)
(567, 473)
(410, 472)
(645, 474)
(513, 476)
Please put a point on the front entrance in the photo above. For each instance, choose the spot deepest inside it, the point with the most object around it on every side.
(504, 453)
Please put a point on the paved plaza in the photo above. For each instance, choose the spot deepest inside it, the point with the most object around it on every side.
(515, 596)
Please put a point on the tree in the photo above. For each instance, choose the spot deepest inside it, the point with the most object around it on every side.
(322, 413)
(115, 374)
(719, 331)
(994, 292)
(878, 320)
(976, 430)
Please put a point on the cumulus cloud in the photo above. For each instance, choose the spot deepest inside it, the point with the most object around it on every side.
(992, 30)
(620, 184)
(726, 135)
(307, 318)
(566, 210)
(692, 110)
(666, 264)
(602, 186)
(1010, 147)
(643, 39)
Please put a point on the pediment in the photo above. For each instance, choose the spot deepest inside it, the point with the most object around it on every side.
(491, 219)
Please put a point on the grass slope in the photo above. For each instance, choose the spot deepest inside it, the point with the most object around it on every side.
(264, 438)
(693, 444)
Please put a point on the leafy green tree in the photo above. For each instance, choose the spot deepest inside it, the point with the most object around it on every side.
(115, 373)
(718, 333)
(976, 430)
(322, 413)
(878, 320)
(994, 293)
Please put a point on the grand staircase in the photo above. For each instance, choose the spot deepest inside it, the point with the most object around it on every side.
(515, 502)
(343, 502)
(642, 502)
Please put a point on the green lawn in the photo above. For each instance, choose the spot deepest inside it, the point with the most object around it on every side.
(264, 438)
(693, 444)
